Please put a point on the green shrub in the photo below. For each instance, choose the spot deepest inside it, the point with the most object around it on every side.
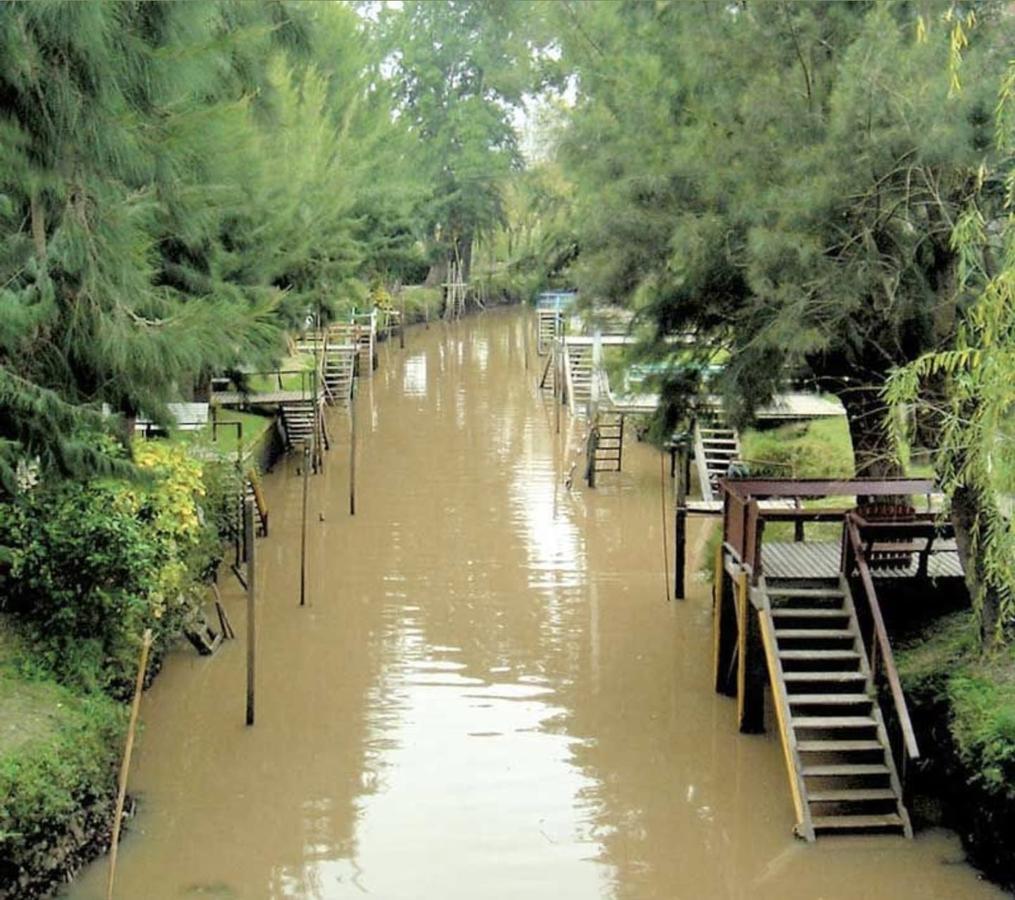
(94, 564)
(945, 667)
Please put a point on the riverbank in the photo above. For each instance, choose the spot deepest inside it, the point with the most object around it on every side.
(59, 750)
(963, 709)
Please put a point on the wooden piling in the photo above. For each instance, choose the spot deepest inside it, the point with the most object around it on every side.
(303, 532)
(248, 528)
(662, 506)
(724, 623)
(401, 325)
(352, 454)
(750, 662)
(121, 796)
(680, 527)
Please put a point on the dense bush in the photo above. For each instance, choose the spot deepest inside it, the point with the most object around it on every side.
(94, 564)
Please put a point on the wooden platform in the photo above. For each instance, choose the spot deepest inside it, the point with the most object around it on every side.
(820, 559)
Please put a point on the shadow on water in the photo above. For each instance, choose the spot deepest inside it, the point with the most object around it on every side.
(488, 695)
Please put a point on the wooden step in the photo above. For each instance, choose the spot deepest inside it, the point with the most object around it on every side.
(793, 677)
(830, 699)
(818, 654)
(838, 746)
(787, 612)
(851, 795)
(832, 722)
(844, 770)
(774, 591)
(856, 823)
(814, 634)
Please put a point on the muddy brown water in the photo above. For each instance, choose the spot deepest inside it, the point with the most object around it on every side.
(488, 695)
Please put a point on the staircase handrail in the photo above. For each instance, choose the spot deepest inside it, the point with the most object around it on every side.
(881, 647)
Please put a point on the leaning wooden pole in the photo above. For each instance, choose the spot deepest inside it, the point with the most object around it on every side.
(121, 796)
(248, 528)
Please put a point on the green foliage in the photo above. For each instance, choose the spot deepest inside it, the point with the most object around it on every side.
(178, 181)
(459, 68)
(69, 762)
(967, 391)
(945, 666)
(780, 179)
(95, 563)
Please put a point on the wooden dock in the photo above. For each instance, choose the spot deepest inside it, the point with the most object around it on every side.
(806, 618)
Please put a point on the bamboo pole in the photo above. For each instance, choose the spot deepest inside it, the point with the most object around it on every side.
(248, 528)
(135, 709)
(303, 531)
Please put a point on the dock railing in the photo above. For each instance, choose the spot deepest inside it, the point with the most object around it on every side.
(862, 539)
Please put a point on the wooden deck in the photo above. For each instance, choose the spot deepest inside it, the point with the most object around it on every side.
(820, 559)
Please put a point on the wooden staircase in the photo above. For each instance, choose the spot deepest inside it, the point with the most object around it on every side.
(842, 774)
(578, 372)
(298, 419)
(549, 326)
(716, 447)
(338, 371)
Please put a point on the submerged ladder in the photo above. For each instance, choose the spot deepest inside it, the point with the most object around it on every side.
(842, 774)
(716, 447)
(608, 446)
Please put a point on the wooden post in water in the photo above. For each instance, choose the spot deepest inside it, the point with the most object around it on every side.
(352, 454)
(401, 324)
(558, 387)
(680, 525)
(248, 528)
(121, 796)
(303, 530)
(724, 623)
(750, 663)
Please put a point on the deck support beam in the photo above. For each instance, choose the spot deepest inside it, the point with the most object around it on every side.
(724, 628)
(750, 663)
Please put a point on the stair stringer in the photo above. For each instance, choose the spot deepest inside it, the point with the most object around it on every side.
(794, 766)
(882, 731)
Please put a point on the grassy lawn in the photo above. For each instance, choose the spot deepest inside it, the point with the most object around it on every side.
(292, 379)
(254, 426)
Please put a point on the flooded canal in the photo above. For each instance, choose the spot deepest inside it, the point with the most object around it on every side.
(488, 695)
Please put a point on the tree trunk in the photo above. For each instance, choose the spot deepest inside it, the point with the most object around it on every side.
(865, 411)
(968, 510)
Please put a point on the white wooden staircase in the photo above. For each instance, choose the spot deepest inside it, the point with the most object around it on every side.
(716, 447)
(842, 774)
(578, 376)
